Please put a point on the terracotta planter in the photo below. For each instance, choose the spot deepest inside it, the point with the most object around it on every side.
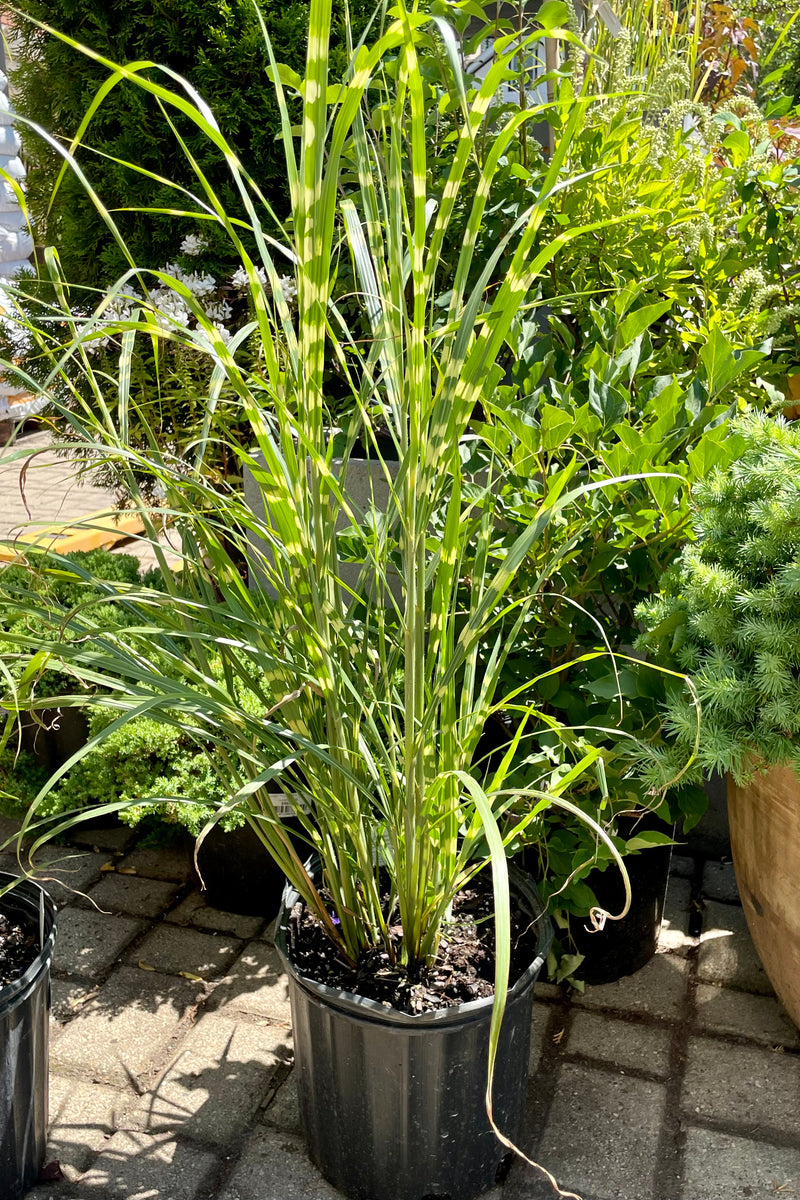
(765, 841)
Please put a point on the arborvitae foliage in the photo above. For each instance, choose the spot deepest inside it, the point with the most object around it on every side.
(729, 613)
(218, 46)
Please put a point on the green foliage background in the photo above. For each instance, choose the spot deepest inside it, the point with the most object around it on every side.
(217, 46)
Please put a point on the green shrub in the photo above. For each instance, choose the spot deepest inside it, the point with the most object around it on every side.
(79, 583)
(156, 768)
(729, 615)
(217, 46)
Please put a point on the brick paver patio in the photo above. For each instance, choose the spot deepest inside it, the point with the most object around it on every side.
(171, 1054)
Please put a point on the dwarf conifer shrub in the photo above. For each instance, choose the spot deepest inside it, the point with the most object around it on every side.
(729, 614)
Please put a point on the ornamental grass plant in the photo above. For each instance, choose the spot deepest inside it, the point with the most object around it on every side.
(365, 713)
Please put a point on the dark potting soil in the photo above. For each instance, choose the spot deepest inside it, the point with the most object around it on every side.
(463, 969)
(18, 949)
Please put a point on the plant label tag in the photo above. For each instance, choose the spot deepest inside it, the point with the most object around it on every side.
(609, 18)
(284, 807)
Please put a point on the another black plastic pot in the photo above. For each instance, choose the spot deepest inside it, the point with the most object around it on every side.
(61, 734)
(24, 1043)
(238, 874)
(393, 1104)
(623, 947)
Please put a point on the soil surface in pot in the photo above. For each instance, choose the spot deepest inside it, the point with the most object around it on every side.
(18, 949)
(463, 969)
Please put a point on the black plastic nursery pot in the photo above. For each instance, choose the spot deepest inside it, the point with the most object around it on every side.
(61, 734)
(393, 1104)
(237, 873)
(24, 1043)
(623, 947)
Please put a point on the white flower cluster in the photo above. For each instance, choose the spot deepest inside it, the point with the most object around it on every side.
(121, 308)
(288, 287)
(193, 245)
(170, 309)
(198, 284)
(241, 281)
(219, 310)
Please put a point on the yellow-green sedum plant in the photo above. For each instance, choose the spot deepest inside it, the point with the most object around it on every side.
(370, 712)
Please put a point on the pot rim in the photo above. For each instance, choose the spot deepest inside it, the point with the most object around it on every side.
(372, 1010)
(29, 893)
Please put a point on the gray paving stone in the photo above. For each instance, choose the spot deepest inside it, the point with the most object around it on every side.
(761, 1018)
(745, 1085)
(215, 1084)
(658, 989)
(600, 1139)
(9, 864)
(645, 1047)
(73, 873)
(255, 985)
(67, 998)
(116, 838)
(539, 1022)
(727, 954)
(548, 991)
(131, 894)
(722, 1167)
(52, 490)
(682, 866)
(275, 1166)
(194, 910)
(82, 1118)
(674, 936)
(175, 950)
(138, 1166)
(88, 943)
(284, 1111)
(9, 828)
(126, 1031)
(161, 862)
(719, 882)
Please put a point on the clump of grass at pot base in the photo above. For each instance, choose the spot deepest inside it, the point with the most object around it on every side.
(462, 971)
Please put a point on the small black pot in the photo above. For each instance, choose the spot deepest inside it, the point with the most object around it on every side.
(61, 734)
(625, 946)
(393, 1104)
(238, 874)
(24, 1044)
